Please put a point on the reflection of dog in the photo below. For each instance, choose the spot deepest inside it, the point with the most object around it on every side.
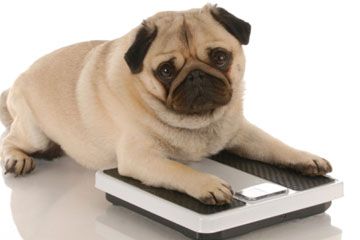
(170, 89)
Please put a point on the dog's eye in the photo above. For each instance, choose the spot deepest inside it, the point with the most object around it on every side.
(166, 71)
(220, 58)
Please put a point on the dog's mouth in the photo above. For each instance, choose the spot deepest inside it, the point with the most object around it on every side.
(193, 110)
(199, 94)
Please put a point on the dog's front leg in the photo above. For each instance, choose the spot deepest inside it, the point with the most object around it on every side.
(146, 163)
(253, 143)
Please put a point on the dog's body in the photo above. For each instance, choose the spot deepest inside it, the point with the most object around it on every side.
(102, 108)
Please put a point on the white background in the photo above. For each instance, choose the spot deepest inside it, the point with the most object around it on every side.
(302, 78)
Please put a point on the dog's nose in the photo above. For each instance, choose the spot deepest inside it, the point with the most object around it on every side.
(195, 74)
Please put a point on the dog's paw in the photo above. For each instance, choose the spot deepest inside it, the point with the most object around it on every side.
(310, 164)
(211, 190)
(18, 163)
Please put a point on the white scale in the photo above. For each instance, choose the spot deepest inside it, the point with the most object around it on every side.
(258, 201)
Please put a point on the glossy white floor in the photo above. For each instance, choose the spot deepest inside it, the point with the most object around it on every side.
(59, 201)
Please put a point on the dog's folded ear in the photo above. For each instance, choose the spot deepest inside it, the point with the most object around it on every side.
(237, 27)
(135, 55)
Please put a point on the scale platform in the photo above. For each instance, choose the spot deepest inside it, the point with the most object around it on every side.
(263, 195)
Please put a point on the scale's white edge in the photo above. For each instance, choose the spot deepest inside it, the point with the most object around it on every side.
(223, 220)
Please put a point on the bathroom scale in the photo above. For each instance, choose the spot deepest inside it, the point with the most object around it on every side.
(263, 195)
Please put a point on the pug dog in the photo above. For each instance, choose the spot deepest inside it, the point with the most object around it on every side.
(168, 92)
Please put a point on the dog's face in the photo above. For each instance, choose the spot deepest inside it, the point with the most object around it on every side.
(190, 61)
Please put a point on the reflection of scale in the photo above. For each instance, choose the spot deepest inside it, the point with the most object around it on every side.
(264, 195)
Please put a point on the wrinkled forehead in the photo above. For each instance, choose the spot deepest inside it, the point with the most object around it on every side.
(186, 34)
(174, 34)
(184, 30)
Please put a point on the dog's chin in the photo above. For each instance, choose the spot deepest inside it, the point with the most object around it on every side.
(176, 119)
(193, 112)
(190, 120)
(196, 113)
(180, 120)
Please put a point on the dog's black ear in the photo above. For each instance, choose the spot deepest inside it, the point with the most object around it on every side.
(135, 55)
(237, 27)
